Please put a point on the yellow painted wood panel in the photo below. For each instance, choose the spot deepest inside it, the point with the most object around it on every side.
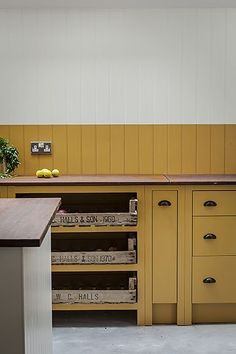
(17, 139)
(74, 149)
(218, 148)
(89, 155)
(60, 146)
(160, 147)
(189, 145)
(203, 156)
(164, 313)
(214, 313)
(31, 162)
(3, 192)
(131, 149)
(117, 149)
(219, 268)
(165, 248)
(230, 148)
(225, 203)
(128, 149)
(103, 149)
(174, 149)
(146, 149)
(45, 134)
(5, 131)
(224, 230)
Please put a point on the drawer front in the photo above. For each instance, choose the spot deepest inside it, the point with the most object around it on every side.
(214, 203)
(214, 236)
(220, 269)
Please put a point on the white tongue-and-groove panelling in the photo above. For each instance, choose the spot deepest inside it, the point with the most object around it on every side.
(153, 66)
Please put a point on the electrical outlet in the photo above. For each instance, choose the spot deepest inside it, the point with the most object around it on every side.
(41, 147)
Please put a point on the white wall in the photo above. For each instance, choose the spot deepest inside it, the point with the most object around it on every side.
(117, 66)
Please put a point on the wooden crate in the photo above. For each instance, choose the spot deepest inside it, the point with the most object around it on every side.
(99, 219)
(96, 296)
(104, 257)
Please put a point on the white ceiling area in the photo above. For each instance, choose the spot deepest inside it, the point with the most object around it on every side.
(118, 3)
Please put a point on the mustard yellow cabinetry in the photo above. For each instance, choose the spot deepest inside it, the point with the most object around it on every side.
(214, 255)
(164, 255)
(3, 192)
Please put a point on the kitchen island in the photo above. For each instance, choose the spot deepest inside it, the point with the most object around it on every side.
(25, 275)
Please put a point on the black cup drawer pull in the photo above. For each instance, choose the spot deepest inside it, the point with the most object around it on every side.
(210, 203)
(209, 237)
(164, 203)
(209, 280)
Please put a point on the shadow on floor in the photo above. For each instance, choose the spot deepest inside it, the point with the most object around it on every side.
(94, 319)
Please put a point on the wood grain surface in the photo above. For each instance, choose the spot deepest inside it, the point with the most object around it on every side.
(112, 180)
(25, 222)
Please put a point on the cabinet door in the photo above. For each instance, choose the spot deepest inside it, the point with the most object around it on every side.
(165, 246)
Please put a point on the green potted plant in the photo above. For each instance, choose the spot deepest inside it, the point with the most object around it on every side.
(9, 158)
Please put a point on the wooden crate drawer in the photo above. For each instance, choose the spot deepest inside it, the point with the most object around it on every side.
(104, 257)
(214, 236)
(93, 296)
(214, 279)
(214, 203)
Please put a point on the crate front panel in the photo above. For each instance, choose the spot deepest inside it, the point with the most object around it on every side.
(93, 296)
(123, 257)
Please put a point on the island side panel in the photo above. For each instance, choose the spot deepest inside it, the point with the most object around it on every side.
(11, 301)
(37, 298)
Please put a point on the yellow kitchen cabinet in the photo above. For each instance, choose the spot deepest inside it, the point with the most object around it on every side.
(3, 192)
(208, 203)
(214, 279)
(214, 236)
(164, 255)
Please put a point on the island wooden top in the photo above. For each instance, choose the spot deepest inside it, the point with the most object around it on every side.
(25, 221)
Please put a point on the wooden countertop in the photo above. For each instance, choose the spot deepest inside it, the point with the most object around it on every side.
(116, 180)
(25, 221)
(212, 179)
(90, 180)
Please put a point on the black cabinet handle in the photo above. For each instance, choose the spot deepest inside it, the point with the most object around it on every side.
(164, 203)
(210, 203)
(209, 237)
(209, 280)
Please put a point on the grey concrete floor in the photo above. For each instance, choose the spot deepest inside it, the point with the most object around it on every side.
(102, 334)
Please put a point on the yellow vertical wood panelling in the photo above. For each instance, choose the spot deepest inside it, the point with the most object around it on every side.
(60, 146)
(217, 149)
(74, 137)
(117, 149)
(160, 147)
(203, 149)
(89, 165)
(45, 134)
(174, 148)
(230, 148)
(103, 149)
(131, 149)
(188, 148)
(4, 131)
(31, 161)
(146, 149)
(17, 139)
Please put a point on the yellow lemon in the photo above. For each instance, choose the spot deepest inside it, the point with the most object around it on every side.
(39, 173)
(47, 173)
(55, 172)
